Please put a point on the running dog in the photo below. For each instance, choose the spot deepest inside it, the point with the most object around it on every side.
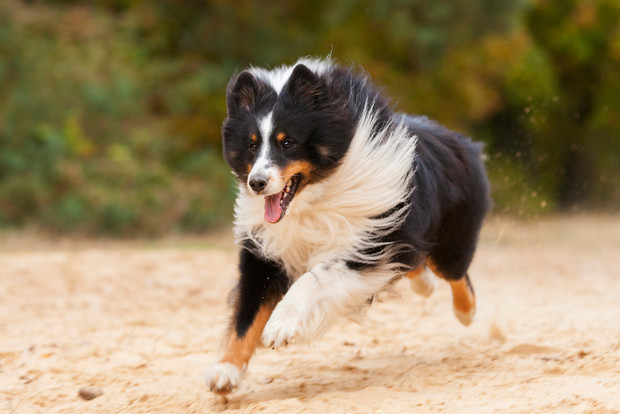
(339, 196)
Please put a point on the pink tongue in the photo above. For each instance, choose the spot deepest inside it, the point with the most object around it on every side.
(273, 211)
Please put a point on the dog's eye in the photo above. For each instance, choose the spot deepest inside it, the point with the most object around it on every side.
(287, 143)
(252, 146)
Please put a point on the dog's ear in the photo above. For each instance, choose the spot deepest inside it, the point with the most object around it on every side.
(243, 93)
(305, 86)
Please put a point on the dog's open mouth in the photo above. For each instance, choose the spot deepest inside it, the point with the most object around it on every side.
(276, 204)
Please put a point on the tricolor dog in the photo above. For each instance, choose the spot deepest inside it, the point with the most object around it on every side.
(339, 196)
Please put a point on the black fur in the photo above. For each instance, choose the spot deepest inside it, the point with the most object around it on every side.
(261, 281)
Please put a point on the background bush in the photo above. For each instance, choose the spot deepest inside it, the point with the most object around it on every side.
(110, 110)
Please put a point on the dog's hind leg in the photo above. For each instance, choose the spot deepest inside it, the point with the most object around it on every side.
(463, 300)
(453, 250)
(463, 296)
(422, 281)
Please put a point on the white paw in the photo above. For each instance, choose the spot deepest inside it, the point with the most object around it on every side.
(283, 326)
(466, 318)
(424, 284)
(223, 377)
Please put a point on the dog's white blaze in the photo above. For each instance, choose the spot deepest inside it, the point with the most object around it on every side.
(265, 125)
(263, 165)
(263, 162)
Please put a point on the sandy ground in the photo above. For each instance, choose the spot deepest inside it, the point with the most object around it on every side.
(142, 321)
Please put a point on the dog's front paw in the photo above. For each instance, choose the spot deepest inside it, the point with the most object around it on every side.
(283, 326)
(223, 377)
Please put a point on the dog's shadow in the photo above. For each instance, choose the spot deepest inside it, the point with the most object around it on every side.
(309, 379)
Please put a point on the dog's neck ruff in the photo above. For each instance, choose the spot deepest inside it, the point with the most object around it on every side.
(342, 216)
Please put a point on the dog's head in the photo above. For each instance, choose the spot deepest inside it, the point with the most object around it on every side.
(279, 139)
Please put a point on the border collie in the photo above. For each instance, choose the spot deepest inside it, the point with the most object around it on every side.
(338, 197)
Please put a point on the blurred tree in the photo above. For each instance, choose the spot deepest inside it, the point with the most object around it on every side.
(580, 41)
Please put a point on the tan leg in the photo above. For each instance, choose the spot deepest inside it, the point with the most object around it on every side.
(463, 297)
(464, 300)
(225, 376)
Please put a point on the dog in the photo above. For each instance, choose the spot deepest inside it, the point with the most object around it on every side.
(338, 196)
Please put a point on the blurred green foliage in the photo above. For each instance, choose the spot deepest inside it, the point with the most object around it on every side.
(110, 110)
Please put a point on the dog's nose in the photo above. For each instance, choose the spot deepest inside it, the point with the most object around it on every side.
(258, 184)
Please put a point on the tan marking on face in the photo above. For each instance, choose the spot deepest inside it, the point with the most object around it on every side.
(239, 350)
(462, 296)
(296, 167)
(254, 138)
(280, 137)
(248, 168)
